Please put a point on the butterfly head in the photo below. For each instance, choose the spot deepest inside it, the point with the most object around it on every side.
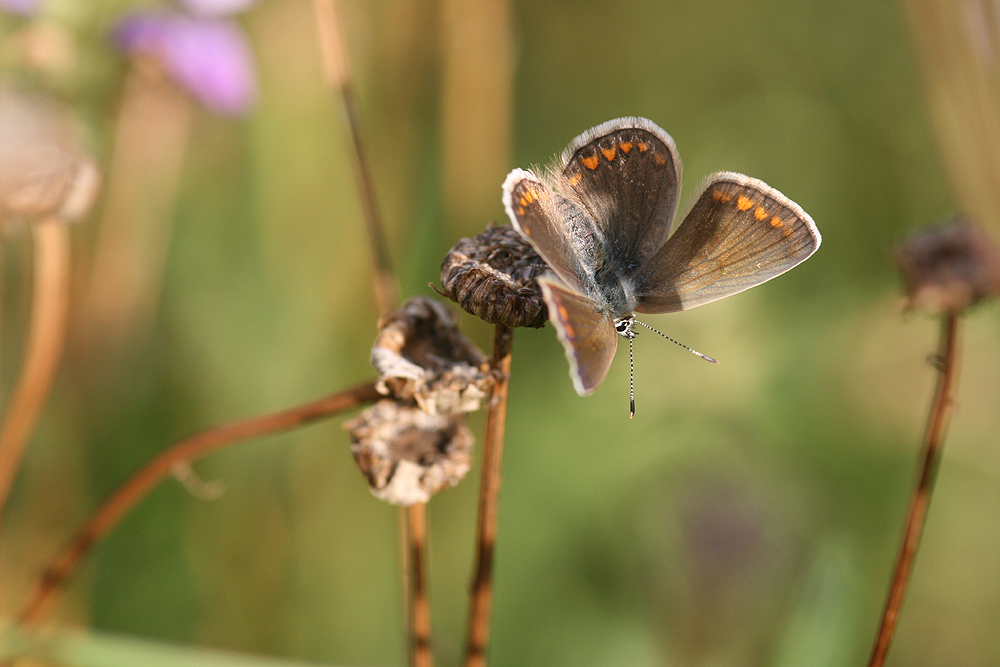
(623, 325)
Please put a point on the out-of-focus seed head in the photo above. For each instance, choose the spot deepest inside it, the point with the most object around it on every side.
(950, 268)
(493, 276)
(407, 454)
(44, 171)
(421, 356)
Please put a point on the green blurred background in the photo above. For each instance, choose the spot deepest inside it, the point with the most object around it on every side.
(748, 515)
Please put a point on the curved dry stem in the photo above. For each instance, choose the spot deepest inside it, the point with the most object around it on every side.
(919, 502)
(136, 487)
(489, 492)
(46, 336)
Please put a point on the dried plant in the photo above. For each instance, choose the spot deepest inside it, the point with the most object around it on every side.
(47, 179)
(945, 271)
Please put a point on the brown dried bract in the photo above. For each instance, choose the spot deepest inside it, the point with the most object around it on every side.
(44, 172)
(493, 276)
(409, 455)
(421, 356)
(949, 269)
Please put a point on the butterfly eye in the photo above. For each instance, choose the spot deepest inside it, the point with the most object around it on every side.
(623, 326)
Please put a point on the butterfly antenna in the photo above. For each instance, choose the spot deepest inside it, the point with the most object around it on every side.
(703, 356)
(631, 381)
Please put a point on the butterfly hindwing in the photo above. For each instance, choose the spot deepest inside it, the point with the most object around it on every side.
(588, 336)
(739, 233)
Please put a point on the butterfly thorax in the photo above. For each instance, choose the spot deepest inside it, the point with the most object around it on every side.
(616, 291)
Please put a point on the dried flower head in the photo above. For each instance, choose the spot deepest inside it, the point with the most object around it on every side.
(407, 454)
(493, 276)
(44, 172)
(950, 268)
(421, 356)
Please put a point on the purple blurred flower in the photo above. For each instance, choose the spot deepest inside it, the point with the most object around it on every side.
(22, 7)
(216, 7)
(209, 57)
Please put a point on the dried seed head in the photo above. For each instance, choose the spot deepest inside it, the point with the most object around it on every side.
(493, 276)
(409, 455)
(421, 356)
(414, 443)
(44, 172)
(950, 268)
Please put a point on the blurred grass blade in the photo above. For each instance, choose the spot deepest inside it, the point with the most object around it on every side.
(823, 621)
(958, 45)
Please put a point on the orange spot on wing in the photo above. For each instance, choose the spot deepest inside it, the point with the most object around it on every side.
(590, 162)
(786, 231)
(626, 146)
(523, 201)
(743, 202)
(530, 196)
(776, 222)
(564, 318)
(719, 195)
(760, 213)
(659, 159)
(609, 153)
(643, 147)
(520, 211)
(575, 179)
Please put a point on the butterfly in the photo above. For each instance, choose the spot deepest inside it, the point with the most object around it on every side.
(601, 217)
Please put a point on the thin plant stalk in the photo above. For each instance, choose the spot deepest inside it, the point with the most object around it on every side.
(179, 454)
(418, 599)
(414, 518)
(489, 492)
(937, 422)
(46, 338)
(415, 529)
(338, 74)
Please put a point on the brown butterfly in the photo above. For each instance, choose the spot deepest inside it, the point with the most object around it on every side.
(601, 217)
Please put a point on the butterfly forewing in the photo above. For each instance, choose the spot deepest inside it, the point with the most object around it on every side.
(740, 233)
(626, 175)
(553, 226)
(588, 336)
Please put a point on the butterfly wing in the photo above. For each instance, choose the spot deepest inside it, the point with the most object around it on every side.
(556, 229)
(625, 174)
(587, 335)
(740, 233)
